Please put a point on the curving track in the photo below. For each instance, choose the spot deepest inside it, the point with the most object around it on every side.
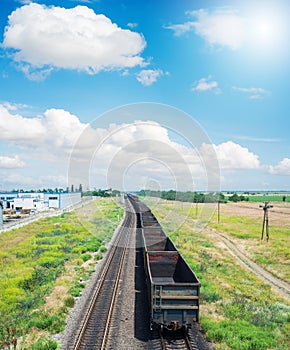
(95, 328)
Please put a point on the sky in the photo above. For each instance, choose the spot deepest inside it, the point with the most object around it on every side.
(133, 94)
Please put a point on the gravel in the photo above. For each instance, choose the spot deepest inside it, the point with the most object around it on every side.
(130, 323)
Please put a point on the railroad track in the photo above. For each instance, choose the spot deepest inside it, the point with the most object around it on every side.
(178, 340)
(95, 328)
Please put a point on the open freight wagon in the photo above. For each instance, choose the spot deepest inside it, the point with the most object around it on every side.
(173, 291)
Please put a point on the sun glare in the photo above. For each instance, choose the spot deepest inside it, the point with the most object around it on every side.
(268, 29)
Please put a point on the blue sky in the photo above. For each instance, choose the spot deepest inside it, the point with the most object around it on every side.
(224, 63)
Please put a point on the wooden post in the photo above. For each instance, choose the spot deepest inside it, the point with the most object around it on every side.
(265, 208)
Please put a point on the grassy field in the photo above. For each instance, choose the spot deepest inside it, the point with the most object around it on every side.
(269, 198)
(266, 197)
(41, 266)
(238, 311)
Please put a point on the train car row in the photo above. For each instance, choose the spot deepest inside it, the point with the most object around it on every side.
(173, 287)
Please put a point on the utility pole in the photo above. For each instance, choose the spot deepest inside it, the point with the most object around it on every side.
(266, 207)
(1, 215)
(219, 211)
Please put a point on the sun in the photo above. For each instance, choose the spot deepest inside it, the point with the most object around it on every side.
(268, 28)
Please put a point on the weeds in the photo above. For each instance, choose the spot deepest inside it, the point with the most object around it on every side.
(33, 260)
(238, 311)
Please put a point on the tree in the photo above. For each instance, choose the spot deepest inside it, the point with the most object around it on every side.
(234, 198)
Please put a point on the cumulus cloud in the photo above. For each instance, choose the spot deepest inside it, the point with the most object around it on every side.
(222, 27)
(56, 129)
(124, 151)
(253, 93)
(137, 152)
(206, 84)
(232, 156)
(282, 168)
(149, 76)
(44, 37)
(11, 162)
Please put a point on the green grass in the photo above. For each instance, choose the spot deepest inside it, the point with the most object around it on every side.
(273, 255)
(269, 198)
(35, 256)
(237, 310)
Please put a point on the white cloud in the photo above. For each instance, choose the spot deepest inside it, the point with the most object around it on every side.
(34, 73)
(149, 76)
(282, 168)
(205, 84)
(222, 27)
(24, 2)
(12, 107)
(122, 152)
(261, 30)
(232, 156)
(253, 92)
(56, 129)
(180, 29)
(132, 25)
(54, 37)
(257, 139)
(113, 154)
(11, 162)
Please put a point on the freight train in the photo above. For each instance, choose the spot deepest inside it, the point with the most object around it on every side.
(173, 288)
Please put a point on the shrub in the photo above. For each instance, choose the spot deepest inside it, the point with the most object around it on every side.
(69, 302)
(76, 290)
(210, 296)
(86, 257)
(52, 323)
(239, 334)
(44, 343)
(103, 249)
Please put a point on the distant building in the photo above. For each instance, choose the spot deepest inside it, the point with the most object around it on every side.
(7, 199)
(39, 201)
(62, 200)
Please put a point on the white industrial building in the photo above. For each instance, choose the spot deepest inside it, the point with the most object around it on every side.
(39, 201)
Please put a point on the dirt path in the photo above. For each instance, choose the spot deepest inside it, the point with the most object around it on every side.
(277, 284)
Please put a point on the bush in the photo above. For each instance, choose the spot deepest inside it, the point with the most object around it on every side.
(103, 249)
(99, 256)
(69, 302)
(92, 245)
(209, 296)
(76, 290)
(51, 323)
(44, 343)
(86, 257)
(238, 334)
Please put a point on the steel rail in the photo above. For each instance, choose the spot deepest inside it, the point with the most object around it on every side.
(114, 297)
(177, 342)
(78, 342)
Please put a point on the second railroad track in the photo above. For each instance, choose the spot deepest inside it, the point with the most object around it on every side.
(94, 330)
